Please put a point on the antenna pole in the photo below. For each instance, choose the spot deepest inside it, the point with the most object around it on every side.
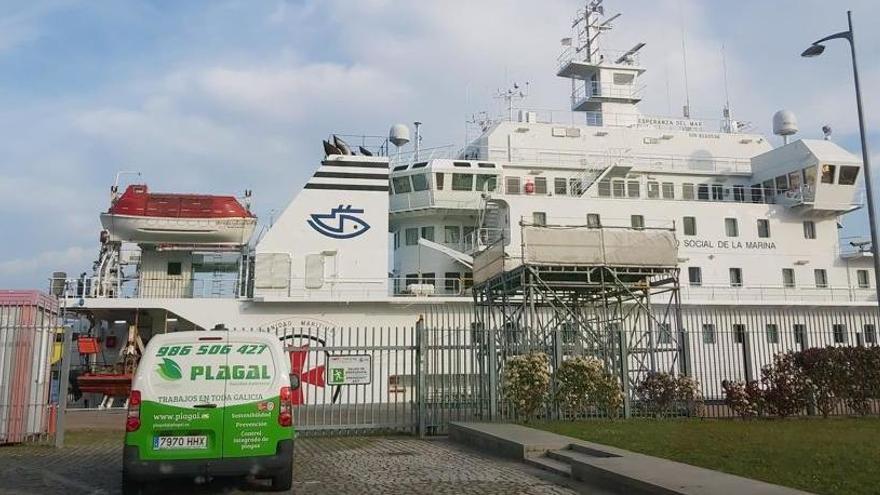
(687, 93)
(727, 113)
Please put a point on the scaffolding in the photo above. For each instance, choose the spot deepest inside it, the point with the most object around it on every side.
(610, 293)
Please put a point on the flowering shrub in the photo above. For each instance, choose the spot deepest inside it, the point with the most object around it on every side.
(786, 390)
(583, 381)
(824, 375)
(657, 391)
(527, 382)
(688, 395)
(746, 399)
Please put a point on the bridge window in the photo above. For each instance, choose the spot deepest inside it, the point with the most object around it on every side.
(604, 188)
(486, 183)
(653, 189)
(462, 182)
(794, 181)
(739, 193)
(575, 186)
(810, 176)
(461, 164)
(401, 185)
(618, 188)
(828, 174)
(687, 191)
(848, 176)
(452, 234)
(451, 282)
(782, 183)
(668, 190)
(717, 192)
(419, 182)
(428, 233)
(438, 180)
(540, 185)
(703, 192)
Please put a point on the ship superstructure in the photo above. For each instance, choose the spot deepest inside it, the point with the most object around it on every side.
(377, 237)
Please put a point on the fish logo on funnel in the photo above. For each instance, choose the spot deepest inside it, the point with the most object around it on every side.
(343, 222)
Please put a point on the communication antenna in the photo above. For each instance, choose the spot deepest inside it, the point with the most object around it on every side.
(687, 94)
(514, 93)
(728, 122)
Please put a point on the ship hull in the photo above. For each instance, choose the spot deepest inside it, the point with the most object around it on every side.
(162, 230)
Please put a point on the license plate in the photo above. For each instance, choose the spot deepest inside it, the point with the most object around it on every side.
(180, 442)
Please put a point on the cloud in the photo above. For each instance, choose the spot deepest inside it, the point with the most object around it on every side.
(43, 263)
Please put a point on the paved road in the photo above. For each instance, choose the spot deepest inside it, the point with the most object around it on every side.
(363, 465)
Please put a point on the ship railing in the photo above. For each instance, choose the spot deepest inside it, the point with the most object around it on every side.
(593, 118)
(765, 294)
(570, 54)
(427, 285)
(596, 89)
(207, 287)
(410, 157)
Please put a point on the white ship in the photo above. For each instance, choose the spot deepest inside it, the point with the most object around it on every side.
(751, 231)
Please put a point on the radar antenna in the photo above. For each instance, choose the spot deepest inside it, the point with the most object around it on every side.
(512, 94)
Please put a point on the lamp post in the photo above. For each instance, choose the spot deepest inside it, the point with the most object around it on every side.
(814, 50)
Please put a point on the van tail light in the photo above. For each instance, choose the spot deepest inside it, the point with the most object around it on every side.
(285, 411)
(133, 420)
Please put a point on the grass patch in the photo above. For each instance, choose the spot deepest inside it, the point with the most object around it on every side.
(829, 456)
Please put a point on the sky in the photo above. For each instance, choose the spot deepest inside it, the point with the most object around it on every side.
(226, 95)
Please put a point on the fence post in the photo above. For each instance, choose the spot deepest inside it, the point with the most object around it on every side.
(63, 380)
(624, 371)
(493, 375)
(557, 361)
(421, 358)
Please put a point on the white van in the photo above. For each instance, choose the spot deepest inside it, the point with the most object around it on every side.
(210, 403)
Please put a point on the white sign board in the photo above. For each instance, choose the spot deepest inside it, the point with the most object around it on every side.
(349, 370)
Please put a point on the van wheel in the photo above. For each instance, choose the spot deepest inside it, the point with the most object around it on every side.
(283, 480)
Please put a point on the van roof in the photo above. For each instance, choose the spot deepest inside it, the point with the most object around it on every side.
(209, 335)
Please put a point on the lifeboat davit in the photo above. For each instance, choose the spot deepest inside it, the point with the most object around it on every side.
(160, 218)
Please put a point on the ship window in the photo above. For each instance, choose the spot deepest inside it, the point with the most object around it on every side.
(821, 277)
(708, 333)
(794, 181)
(668, 190)
(839, 332)
(468, 280)
(717, 192)
(731, 228)
(769, 186)
(604, 188)
(428, 233)
(486, 183)
(810, 176)
(451, 234)
(451, 282)
(486, 165)
(739, 333)
(560, 187)
(575, 186)
(664, 333)
(772, 333)
(401, 184)
(703, 192)
(828, 174)
(419, 182)
(420, 165)
(757, 193)
(513, 185)
(809, 229)
(690, 225)
(594, 221)
(763, 228)
(411, 279)
(618, 188)
(174, 268)
(687, 191)
(736, 277)
(399, 168)
(739, 193)
(788, 277)
(467, 233)
(540, 185)
(632, 189)
(397, 240)
(800, 333)
(412, 236)
(848, 176)
(539, 218)
(637, 221)
(782, 183)
(623, 79)
(438, 180)
(870, 332)
(461, 164)
(653, 189)
(462, 182)
(862, 277)
(429, 278)
(695, 276)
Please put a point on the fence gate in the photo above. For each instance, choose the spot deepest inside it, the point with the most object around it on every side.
(27, 349)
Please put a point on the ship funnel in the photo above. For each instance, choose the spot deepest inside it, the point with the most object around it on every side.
(785, 124)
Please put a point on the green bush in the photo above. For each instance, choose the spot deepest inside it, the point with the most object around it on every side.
(582, 382)
(662, 393)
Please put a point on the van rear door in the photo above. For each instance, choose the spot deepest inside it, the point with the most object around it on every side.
(183, 397)
(257, 374)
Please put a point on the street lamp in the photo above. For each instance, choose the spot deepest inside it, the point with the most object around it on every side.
(814, 50)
